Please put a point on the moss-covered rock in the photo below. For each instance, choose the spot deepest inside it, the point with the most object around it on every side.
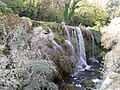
(88, 84)
(64, 63)
(67, 87)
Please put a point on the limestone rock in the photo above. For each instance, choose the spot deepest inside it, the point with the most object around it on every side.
(112, 82)
(110, 40)
(21, 44)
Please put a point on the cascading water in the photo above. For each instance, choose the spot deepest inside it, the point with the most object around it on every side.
(93, 43)
(55, 45)
(75, 46)
(75, 41)
(67, 32)
(70, 46)
(92, 57)
(71, 50)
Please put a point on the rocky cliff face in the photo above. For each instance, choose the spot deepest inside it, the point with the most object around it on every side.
(28, 59)
(110, 40)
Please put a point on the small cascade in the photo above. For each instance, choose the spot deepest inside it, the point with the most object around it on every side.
(93, 44)
(55, 45)
(71, 50)
(92, 57)
(67, 32)
(70, 46)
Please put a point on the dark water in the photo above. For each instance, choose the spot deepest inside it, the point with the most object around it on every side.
(87, 79)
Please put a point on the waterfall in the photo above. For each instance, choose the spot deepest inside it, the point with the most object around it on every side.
(55, 45)
(81, 50)
(93, 43)
(67, 32)
(75, 43)
(92, 57)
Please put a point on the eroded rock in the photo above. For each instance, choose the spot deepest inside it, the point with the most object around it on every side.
(110, 40)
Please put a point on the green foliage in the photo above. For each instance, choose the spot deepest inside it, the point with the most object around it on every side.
(74, 13)
(29, 11)
(15, 5)
(99, 52)
(35, 9)
(3, 8)
(90, 14)
(64, 63)
(70, 6)
(54, 15)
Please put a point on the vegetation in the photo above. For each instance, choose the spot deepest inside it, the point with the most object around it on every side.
(70, 7)
(113, 8)
(42, 76)
(91, 15)
(73, 12)
(22, 40)
(4, 8)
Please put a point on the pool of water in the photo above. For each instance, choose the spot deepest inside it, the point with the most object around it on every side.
(87, 79)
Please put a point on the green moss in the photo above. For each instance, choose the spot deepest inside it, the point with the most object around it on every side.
(64, 64)
(50, 45)
(98, 50)
(53, 25)
(58, 39)
(88, 84)
(67, 87)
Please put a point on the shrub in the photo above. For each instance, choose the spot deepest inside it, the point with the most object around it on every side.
(41, 76)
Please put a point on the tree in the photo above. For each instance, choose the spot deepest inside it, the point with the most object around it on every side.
(70, 6)
(113, 8)
(15, 5)
(3, 8)
(90, 14)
